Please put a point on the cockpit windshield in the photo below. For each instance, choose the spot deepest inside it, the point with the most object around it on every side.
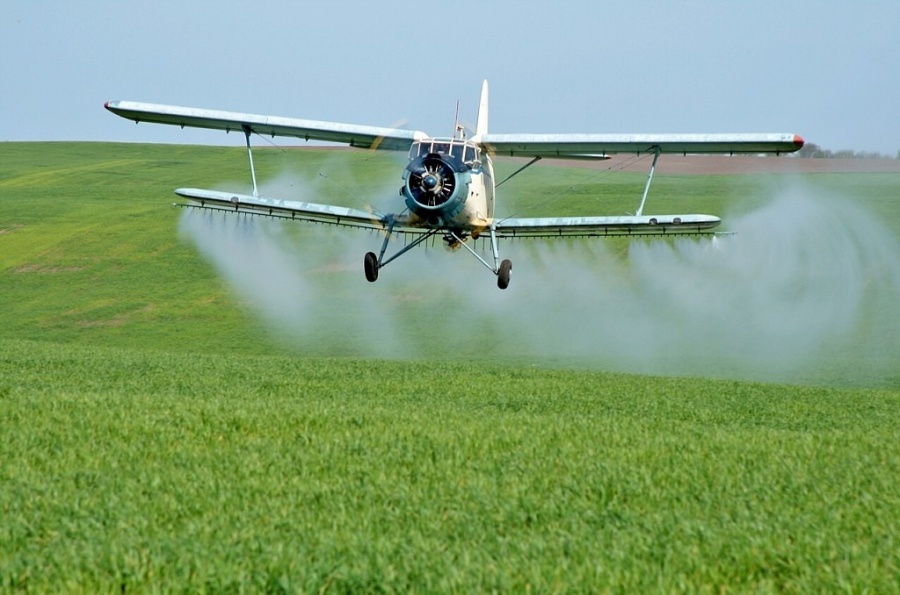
(462, 150)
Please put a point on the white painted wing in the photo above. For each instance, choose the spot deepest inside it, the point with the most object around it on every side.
(287, 209)
(351, 134)
(568, 146)
(547, 227)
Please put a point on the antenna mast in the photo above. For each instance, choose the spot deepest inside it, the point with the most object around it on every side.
(458, 131)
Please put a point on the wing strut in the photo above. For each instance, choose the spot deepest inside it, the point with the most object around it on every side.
(656, 152)
(521, 169)
(247, 132)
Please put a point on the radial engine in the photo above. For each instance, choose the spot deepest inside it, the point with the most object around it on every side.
(435, 187)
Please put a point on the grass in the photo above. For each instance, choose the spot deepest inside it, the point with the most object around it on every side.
(154, 436)
(129, 469)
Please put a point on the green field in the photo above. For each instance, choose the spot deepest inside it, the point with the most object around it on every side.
(162, 427)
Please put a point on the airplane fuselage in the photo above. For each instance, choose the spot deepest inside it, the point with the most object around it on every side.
(449, 183)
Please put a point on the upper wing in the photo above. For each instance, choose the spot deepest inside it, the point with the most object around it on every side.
(568, 146)
(547, 227)
(352, 134)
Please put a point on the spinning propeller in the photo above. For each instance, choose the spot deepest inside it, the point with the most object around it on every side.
(431, 181)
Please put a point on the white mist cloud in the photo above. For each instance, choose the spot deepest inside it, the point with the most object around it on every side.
(805, 277)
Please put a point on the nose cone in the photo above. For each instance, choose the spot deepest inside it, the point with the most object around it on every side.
(430, 182)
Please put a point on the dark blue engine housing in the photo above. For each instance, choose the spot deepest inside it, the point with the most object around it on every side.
(435, 187)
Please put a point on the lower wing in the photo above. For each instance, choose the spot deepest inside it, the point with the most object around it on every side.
(286, 209)
(542, 227)
(553, 227)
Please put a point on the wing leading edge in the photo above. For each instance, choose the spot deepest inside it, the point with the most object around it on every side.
(565, 146)
(356, 135)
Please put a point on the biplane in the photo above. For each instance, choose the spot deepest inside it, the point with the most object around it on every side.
(448, 184)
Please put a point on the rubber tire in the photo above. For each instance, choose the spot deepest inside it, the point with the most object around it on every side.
(371, 265)
(503, 274)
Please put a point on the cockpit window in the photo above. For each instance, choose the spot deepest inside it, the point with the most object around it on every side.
(466, 152)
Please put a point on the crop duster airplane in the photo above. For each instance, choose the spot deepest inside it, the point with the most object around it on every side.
(448, 183)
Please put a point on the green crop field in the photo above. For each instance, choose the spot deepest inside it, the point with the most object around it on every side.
(194, 403)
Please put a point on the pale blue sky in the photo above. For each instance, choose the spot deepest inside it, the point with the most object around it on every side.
(826, 70)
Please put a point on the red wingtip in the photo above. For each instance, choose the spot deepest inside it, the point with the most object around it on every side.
(798, 141)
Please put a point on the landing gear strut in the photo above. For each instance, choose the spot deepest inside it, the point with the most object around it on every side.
(373, 262)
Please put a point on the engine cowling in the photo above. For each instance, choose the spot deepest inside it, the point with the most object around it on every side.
(436, 187)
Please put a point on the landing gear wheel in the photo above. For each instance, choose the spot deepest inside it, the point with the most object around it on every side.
(503, 274)
(371, 264)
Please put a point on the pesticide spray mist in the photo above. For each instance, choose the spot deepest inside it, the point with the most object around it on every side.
(806, 290)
